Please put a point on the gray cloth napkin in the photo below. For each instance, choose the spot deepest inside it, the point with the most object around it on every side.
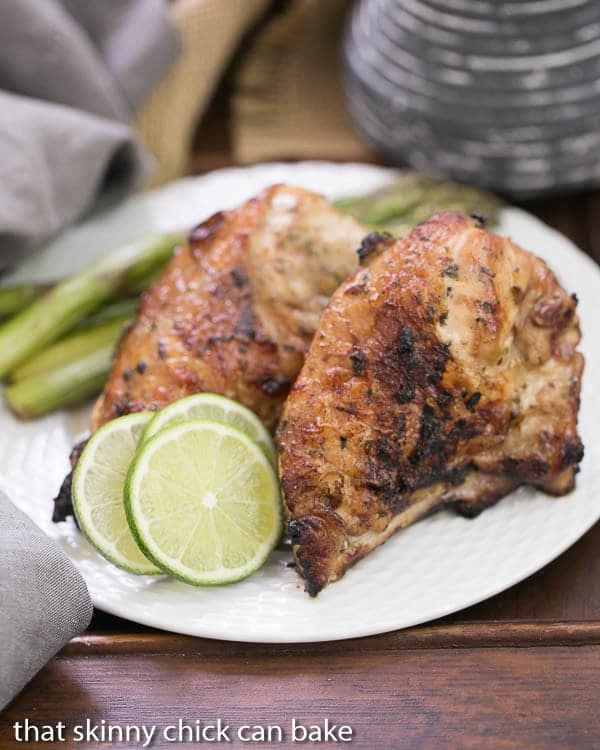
(72, 74)
(43, 600)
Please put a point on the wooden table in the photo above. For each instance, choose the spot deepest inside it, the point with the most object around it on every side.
(521, 670)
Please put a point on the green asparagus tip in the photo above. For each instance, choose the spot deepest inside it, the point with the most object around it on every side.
(413, 197)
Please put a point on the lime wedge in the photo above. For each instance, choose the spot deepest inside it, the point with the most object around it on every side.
(97, 490)
(203, 502)
(217, 409)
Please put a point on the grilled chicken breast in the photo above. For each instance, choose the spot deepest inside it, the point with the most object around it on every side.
(236, 308)
(444, 373)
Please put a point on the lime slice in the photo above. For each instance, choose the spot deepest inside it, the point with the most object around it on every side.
(217, 409)
(97, 491)
(203, 502)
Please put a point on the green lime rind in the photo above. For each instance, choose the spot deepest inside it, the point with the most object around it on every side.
(97, 492)
(203, 503)
(216, 408)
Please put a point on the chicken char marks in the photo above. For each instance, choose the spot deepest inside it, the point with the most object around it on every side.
(443, 374)
(235, 310)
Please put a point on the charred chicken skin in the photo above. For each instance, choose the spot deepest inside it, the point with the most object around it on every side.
(236, 309)
(444, 373)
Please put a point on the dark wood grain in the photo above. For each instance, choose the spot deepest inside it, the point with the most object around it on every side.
(439, 636)
(540, 697)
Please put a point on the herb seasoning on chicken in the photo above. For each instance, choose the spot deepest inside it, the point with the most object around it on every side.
(235, 310)
(419, 394)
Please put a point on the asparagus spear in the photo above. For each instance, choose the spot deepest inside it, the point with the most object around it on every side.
(70, 349)
(413, 197)
(122, 309)
(13, 299)
(65, 386)
(143, 282)
(57, 311)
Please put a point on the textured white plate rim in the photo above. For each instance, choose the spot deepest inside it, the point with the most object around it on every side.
(330, 626)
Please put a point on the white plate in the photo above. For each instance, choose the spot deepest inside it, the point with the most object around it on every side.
(438, 566)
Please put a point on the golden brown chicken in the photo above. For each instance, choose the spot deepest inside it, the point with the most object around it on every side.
(236, 309)
(444, 372)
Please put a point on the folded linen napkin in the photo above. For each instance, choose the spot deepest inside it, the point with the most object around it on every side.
(43, 600)
(71, 76)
